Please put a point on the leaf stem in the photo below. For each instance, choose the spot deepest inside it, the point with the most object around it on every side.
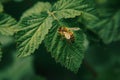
(52, 14)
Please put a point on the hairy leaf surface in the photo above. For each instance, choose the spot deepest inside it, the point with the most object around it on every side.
(68, 8)
(34, 26)
(67, 53)
(30, 37)
(37, 9)
(7, 24)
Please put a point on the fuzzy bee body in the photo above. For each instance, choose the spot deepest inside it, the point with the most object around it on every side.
(67, 33)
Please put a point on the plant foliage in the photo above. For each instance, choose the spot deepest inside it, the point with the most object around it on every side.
(34, 29)
(42, 22)
(1, 7)
(67, 53)
(36, 23)
(108, 29)
(7, 25)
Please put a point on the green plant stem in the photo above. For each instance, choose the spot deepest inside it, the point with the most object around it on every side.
(52, 14)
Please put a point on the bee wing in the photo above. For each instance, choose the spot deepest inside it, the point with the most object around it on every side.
(75, 29)
(67, 35)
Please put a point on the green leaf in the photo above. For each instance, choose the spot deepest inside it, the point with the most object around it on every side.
(68, 13)
(37, 9)
(30, 37)
(34, 24)
(67, 53)
(68, 8)
(69, 4)
(88, 19)
(7, 24)
(108, 29)
(1, 7)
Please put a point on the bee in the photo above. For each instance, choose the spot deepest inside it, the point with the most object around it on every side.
(67, 33)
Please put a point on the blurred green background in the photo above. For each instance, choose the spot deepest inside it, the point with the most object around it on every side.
(101, 62)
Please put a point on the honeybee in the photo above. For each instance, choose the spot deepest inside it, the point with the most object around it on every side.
(67, 33)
